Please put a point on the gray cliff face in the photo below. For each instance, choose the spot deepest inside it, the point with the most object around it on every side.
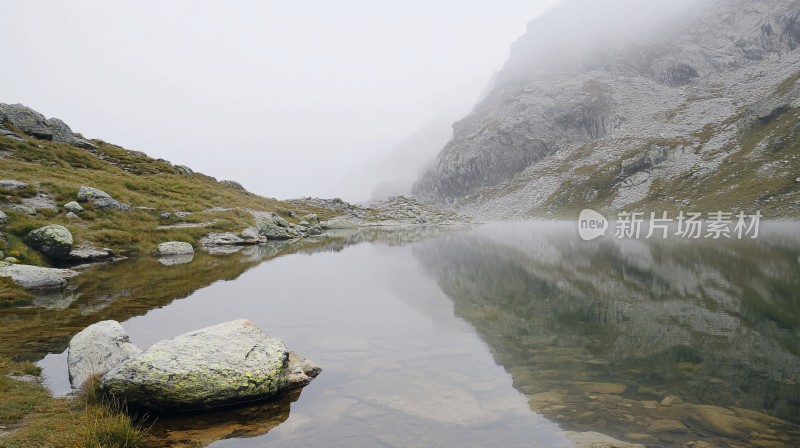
(586, 100)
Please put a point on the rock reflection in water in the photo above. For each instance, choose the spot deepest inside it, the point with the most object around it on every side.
(202, 429)
(599, 334)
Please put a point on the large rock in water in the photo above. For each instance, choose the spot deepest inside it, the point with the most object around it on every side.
(37, 278)
(97, 349)
(229, 363)
(100, 199)
(174, 248)
(54, 241)
(275, 228)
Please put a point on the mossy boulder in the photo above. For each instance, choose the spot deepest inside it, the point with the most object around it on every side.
(174, 248)
(97, 349)
(54, 241)
(225, 364)
(101, 199)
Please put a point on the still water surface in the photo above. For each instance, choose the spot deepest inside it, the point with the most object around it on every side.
(501, 335)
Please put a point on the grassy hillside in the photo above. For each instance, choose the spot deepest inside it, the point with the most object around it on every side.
(155, 186)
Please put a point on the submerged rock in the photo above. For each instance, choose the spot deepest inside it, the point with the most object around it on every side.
(225, 364)
(97, 349)
(54, 241)
(37, 278)
(101, 199)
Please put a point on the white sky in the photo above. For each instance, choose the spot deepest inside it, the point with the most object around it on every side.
(285, 97)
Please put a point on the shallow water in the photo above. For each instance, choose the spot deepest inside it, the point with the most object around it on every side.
(501, 335)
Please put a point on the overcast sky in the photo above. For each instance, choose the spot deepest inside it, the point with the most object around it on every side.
(286, 97)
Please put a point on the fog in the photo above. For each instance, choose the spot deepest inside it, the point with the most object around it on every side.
(289, 98)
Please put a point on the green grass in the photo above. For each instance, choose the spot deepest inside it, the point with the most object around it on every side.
(38, 419)
(60, 170)
(13, 295)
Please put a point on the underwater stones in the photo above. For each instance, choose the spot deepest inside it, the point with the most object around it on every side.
(224, 364)
(97, 349)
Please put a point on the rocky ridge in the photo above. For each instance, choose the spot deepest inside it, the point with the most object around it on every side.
(702, 111)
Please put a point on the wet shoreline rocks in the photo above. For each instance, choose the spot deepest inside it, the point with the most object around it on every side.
(223, 365)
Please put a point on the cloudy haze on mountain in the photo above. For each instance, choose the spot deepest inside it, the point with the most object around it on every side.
(286, 97)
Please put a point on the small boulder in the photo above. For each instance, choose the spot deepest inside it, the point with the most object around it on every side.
(11, 260)
(73, 207)
(71, 215)
(275, 228)
(37, 278)
(23, 209)
(172, 248)
(184, 170)
(7, 184)
(312, 218)
(3, 218)
(222, 239)
(90, 254)
(250, 236)
(233, 184)
(164, 215)
(97, 349)
(225, 364)
(54, 241)
(101, 199)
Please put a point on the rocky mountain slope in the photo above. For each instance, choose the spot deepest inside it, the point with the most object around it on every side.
(615, 105)
(100, 195)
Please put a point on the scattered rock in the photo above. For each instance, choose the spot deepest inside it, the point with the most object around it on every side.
(591, 439)
(22, 209)
(90, 254)
(172, 248)
(165, 215)
(7, 133)
(184, 170)
(3, 219)
(97, 349)
(73, 207)
(53, 241)
(274, 227)
(37, 278)
(251, 235)
(671, 400)
(222, 239)
(723, 421)
(225, 364)
(232, 184)
(301, 370)
(311, 218)
(100, 199)
(34, 124)
(7, 184)
(71, 215)
(137, 153)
